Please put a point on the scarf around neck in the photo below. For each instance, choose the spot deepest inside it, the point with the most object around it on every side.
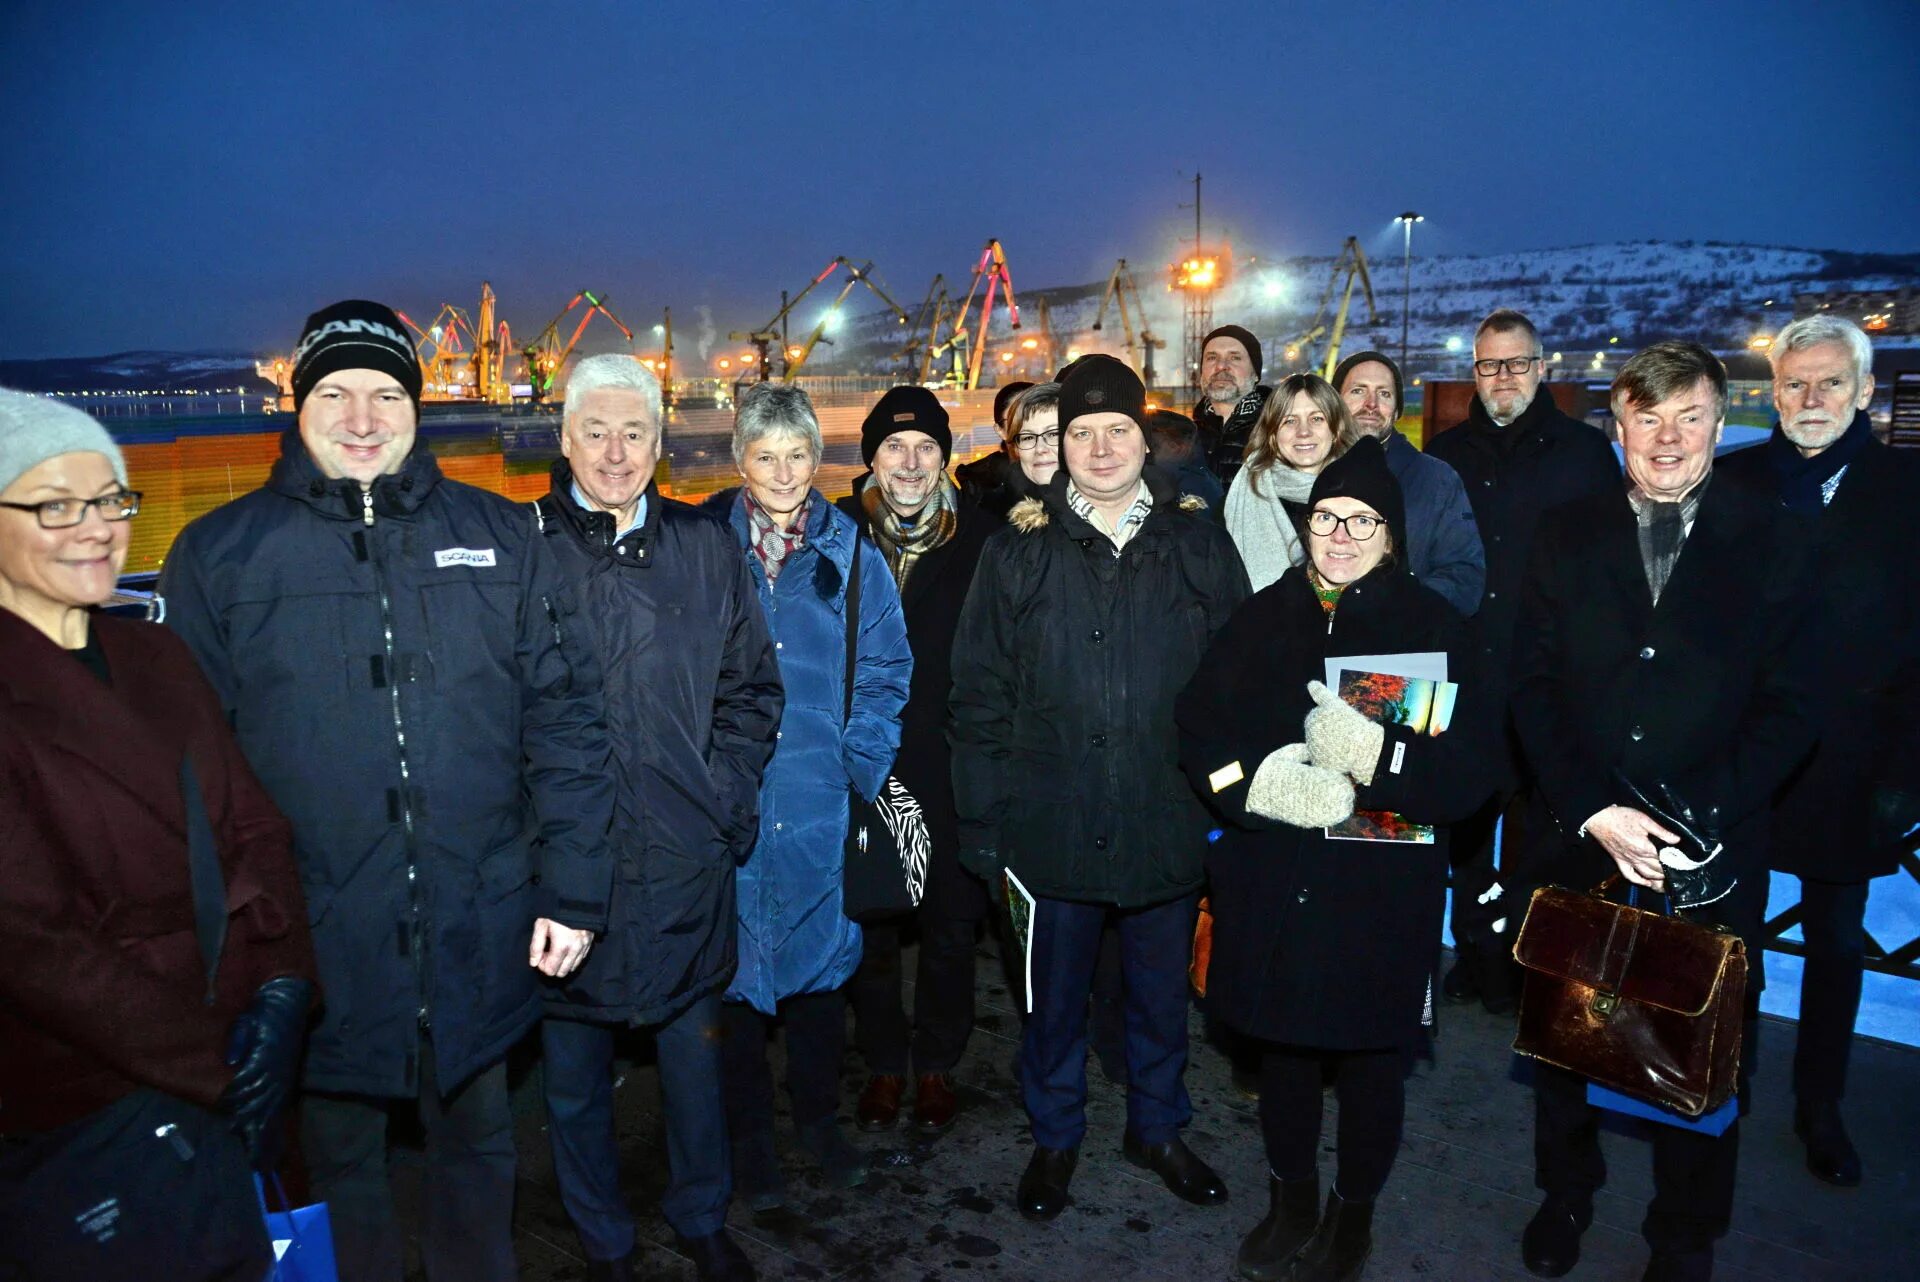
(1262, 528)
(1809, 484)
(903, 543)
(1663, 530)
(771, 544)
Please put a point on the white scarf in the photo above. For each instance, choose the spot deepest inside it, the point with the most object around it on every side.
(1260, 525)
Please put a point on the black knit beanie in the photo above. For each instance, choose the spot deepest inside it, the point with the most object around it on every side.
(906, 408)
(1100, 384)
(1362, 473)
(1002, 399)
(1244, 337)
(355, 334)
(1345, 367)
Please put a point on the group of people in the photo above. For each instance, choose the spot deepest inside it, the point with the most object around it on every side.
(409, 770)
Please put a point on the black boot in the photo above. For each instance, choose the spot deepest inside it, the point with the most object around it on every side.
(1830, 1154)
(1043, 1185)
(1293, 1212)
(1338, 1249)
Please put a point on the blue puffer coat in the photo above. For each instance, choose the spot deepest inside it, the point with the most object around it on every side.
(793, 936)
(404, 671)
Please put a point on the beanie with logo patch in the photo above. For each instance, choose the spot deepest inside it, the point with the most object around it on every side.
(1100, 384)
(355, 334)
(907, 408)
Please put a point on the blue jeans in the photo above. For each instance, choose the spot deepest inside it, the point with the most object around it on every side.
(1155, 946)
(586, 1155)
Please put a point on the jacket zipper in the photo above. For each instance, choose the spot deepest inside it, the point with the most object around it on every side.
(416, 943)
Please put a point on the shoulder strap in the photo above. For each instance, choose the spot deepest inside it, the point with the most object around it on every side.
(853, 621)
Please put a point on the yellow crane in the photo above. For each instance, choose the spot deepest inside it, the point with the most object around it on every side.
(1140, 347)
(992, 268)
(923, 334)
(1350, 266)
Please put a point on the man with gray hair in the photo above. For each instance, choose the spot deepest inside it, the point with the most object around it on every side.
(1846, 816)
(1518, 456)
(693, 699)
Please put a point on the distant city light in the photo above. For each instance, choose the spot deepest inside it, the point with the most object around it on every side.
(1453, 343)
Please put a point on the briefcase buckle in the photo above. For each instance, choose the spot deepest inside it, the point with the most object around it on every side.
(1604, 1004)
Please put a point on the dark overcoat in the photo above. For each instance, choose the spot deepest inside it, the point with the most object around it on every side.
(104, 988)
(1319, 941)
(935, 591)
(404, 669)
(693, 700)
(1065, 759)
(1711, 691)
(1868, 538)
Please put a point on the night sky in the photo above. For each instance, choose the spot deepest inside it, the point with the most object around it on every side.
(187, 176)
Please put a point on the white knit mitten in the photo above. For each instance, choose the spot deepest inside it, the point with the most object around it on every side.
(1290, 790)
(1340, 737)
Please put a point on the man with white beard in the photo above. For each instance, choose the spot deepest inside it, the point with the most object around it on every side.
(1231, 395)
(1519, 456)
(1841, 820)
(931, 535)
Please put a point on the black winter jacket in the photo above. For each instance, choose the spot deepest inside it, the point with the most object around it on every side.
(693, 699)
(1224, 441)
(931, 601)
(1709, 691)
(988, 481)
(1513, 474)
(1870, 605)
(404, 671)
(1065, 668)
(1317, 941)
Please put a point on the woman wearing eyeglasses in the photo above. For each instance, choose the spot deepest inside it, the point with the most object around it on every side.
(1323, 946)
(1303, 426)
(158, 972)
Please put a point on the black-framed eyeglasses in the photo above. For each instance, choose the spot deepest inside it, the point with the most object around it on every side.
(64, 514)
(1513, 365)
(1360, 527)
(1033, 440)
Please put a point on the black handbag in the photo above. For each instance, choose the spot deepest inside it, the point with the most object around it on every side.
(888, 848)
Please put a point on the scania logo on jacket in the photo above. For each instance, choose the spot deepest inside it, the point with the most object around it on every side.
(339, 327)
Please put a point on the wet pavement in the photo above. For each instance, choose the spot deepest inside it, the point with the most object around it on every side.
(1453, 1209)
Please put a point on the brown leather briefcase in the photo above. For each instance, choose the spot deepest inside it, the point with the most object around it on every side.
(1646, 1004)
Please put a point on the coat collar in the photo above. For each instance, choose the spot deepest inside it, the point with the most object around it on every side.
(594, 530)
(398, 494)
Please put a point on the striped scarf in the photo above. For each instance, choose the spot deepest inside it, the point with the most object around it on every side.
(1126, 527)
(902, 543)
(771, 544)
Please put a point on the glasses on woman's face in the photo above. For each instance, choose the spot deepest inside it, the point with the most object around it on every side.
(1034, 440)
(64, 514)
(1360, 527)
(1513, 365)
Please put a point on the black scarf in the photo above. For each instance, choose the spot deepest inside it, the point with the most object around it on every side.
(1803, 481)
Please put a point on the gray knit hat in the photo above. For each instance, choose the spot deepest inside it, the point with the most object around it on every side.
(34, 429)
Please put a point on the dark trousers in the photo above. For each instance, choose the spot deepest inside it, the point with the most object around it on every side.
(1692, 1173)
(466, 1231)
(933, 1040)
(149, 1187)
(816, 1028)
(586, 1153)
(1372, 1088)
(1155, 946)
(1833, 924)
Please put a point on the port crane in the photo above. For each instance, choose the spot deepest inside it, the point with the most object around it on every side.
(923, 333)
(1140, 349)
(992, 268)
(546, 355)
(775, 330)
(1349, 267)
(464, 368)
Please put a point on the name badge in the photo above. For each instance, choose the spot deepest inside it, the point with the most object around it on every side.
(462, 556)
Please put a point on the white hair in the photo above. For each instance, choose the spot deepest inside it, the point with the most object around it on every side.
(775, 409)
(1824, 327)
(612, 369)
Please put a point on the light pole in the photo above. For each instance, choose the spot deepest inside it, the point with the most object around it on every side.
(1407, 220)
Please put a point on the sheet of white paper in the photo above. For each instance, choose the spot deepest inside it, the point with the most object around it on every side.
(1423, 665)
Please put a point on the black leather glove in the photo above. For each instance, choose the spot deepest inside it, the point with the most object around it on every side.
(1695, 874)
(264, 1048)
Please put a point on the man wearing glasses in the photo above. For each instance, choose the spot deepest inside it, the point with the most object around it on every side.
(1518, 456)
(406, 673)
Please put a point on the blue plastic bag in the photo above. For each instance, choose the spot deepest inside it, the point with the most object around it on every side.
(302, 1238)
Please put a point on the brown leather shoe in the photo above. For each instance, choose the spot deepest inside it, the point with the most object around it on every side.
(879, 1105)
(934, 1103)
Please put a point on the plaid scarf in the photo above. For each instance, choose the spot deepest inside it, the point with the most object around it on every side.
(1663, 530)
(771, 544)
(1129, 523)
(904, 543)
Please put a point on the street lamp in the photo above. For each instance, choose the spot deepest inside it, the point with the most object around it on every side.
(1406, 221)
